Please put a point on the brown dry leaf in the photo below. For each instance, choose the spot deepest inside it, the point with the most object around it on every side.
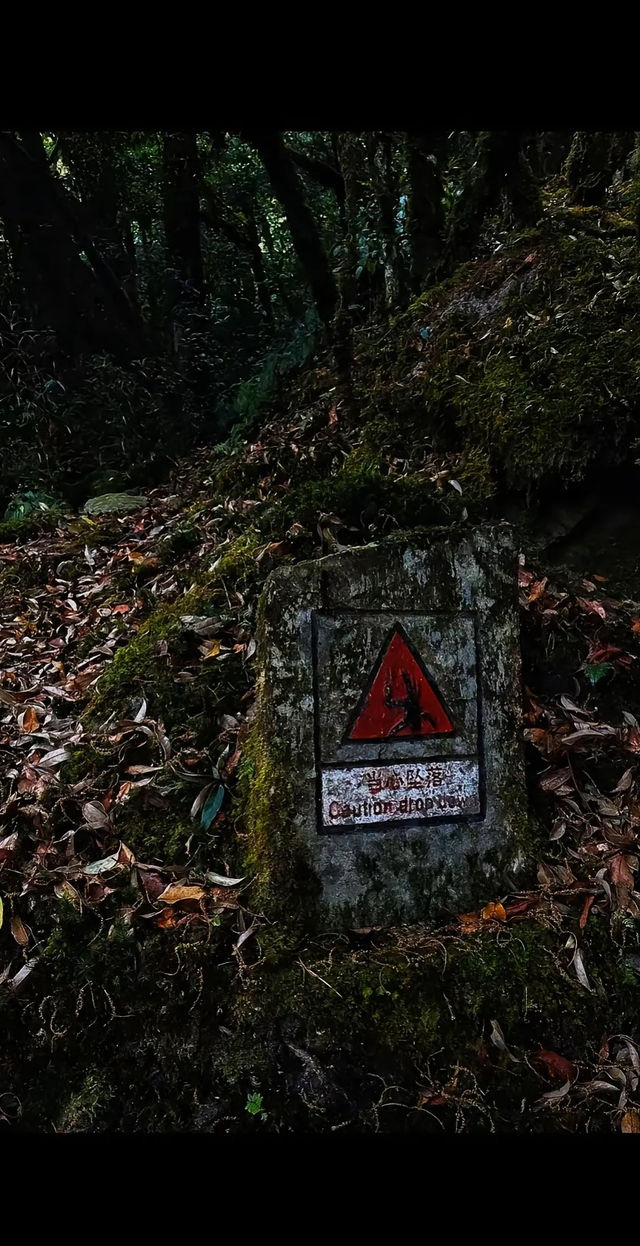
(176, 892)
(18, 931)
(8, 845)
(620, 872)
(585, 911)
(553, 780)
(630, 1123)
(166, 919)
(537, 589)
(30, 720)
(592, 607)
(210, 649)
(470, 922)
(276, 549)
(494, 912)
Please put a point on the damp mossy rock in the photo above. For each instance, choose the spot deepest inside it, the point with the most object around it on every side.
(115, 504)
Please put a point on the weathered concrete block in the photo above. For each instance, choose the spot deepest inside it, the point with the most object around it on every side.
(389, 781)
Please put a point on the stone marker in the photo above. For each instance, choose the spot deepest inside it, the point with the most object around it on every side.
(389, 723)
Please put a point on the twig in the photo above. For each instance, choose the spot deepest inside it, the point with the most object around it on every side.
(317, 975)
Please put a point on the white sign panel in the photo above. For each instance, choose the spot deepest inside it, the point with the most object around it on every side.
(401, 792)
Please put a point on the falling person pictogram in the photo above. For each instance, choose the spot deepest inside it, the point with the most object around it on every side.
(399, 682)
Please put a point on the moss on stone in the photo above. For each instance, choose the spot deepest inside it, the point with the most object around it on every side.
(284, 885)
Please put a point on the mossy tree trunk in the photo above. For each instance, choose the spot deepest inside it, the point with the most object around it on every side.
(385, 183)
(305, 235)
(500, 168)
(593, 160)
(243, 233)
(425, 211)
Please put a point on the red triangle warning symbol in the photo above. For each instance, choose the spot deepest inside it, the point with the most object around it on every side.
(401, 700)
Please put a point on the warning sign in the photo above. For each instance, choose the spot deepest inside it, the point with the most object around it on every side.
(401, 700)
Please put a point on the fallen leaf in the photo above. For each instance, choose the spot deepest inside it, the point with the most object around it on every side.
(495, 912)
(592, 607)
(95, 815)
(8, 846)
(103, 866)
(625, 782)
(537, 589)
(585, 911)
(18, 931)
(176, 892)
(552, 1096)
(166, 919)
(630, 1123)
(557, 1067)
(498, 1040)
(212, 807)
(581, 975)
(30, 720)
(23, 973)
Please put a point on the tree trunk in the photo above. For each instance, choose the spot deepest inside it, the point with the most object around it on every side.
(305, 235)
(425, 213)
(93, 161)
(350, 158)
(257, 266)
(245, 237)
(81, 301)
(500, 168)
(386, 190)
(593, 160)
(181, 194)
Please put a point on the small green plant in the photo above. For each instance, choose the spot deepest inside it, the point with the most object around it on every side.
(254, 1106)
(28, 503)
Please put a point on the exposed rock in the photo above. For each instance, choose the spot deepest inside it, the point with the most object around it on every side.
(115, 504)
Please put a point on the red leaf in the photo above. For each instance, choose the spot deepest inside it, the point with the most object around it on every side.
(585, 911)
(557, 1067)
(592, 607)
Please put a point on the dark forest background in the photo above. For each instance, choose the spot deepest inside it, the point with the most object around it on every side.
(154, 286)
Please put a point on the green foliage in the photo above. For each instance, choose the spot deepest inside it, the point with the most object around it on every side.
(29, 503)
(254, 1105)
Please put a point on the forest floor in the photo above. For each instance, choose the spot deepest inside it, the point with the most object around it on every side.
(139, 988)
